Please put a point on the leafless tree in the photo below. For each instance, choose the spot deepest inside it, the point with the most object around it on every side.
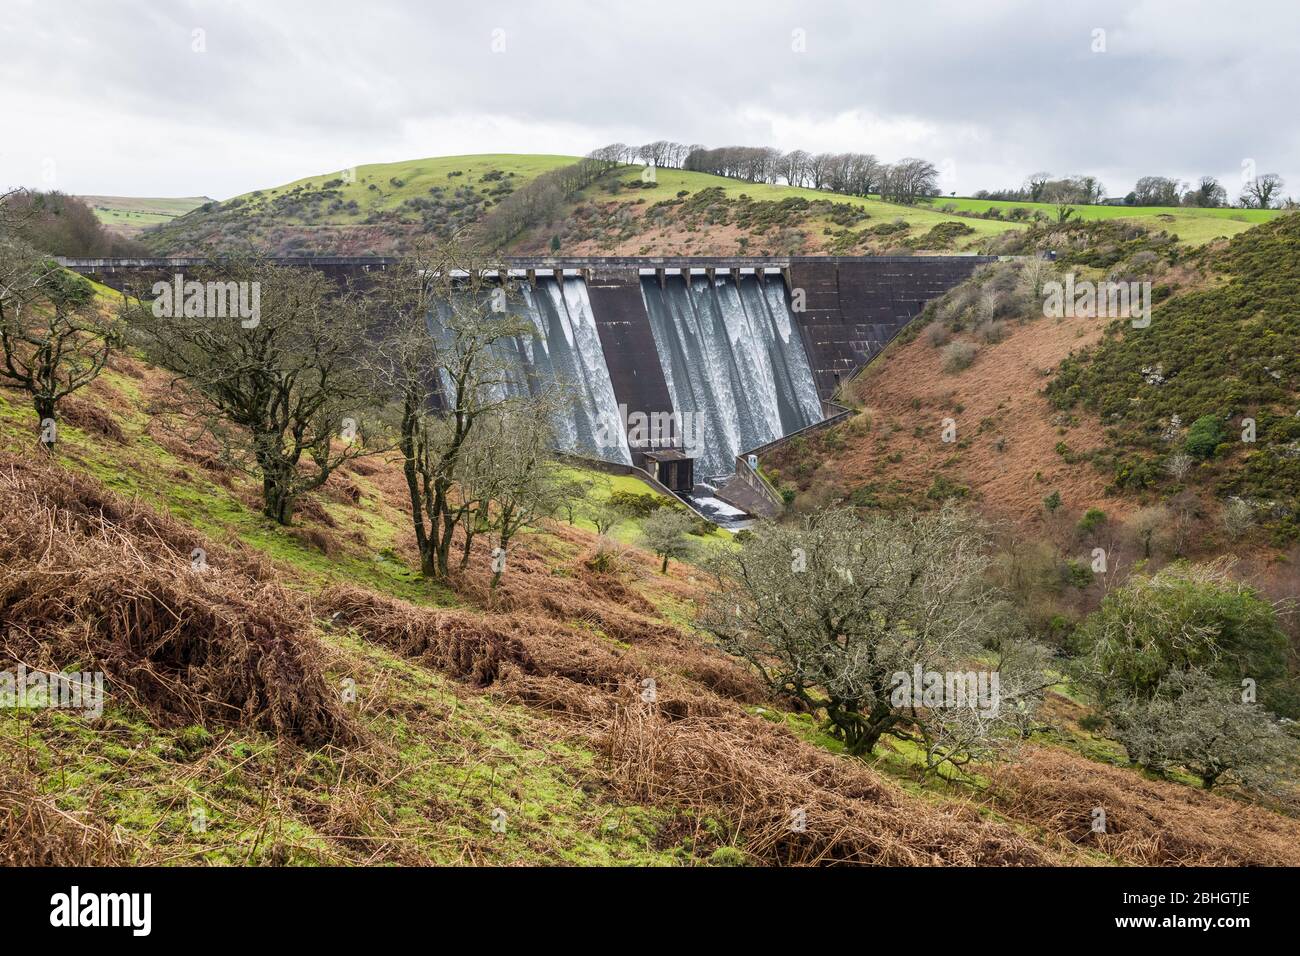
(53, 338)
(443, 381)
(794, 167)
(1035, 183)
(832, 608)
(284, 396)
(614, 154)
(1158, 191)
(519, 476)
(909, 180)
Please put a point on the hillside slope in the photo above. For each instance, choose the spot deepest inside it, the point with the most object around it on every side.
(369, 209)
(379, 208)
(303, 697)
(1081, 433)
(1092, 404)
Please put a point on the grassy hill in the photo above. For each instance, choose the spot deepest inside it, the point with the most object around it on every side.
(130, 215)
(306, 698)
(377, 208)
(1218, 354)
(369, 209)
(689, 213)
(1193, 226)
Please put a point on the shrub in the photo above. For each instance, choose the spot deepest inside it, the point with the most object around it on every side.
(1092, 722)
(1204, 436)
(1237, 517)
(1092, 519)
(943, 488)
(1185, 617)
(1076, 574)
(958, 356)
(634, 504)
(936, 334)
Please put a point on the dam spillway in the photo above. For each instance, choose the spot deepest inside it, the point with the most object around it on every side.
(733, 363)
(738, 351)
(563, 351)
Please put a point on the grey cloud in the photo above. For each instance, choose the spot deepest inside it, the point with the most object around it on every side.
(292, 88)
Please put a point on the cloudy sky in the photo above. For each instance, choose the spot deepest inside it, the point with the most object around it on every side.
(200, 97)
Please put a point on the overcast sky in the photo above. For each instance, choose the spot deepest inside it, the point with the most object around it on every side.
(177, 98)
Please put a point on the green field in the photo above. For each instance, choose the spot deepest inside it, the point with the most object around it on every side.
(1193, 225)
(128, 215)
(671, 181)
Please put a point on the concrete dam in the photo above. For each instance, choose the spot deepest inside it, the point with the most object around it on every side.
(729, 354)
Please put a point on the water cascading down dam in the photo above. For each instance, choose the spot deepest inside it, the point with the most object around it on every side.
(736, 371)
(565, 351)
(678, 366)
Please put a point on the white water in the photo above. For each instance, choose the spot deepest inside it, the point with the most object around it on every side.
(731, 355)
(566, 351)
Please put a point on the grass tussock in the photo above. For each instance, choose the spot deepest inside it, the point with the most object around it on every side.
(1147, 822)
(90, 581)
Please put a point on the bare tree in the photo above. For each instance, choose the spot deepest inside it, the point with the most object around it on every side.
(603, 513)
(1157, 191)
(614, 154)
(1178, 464)
(832, 609)
(909, 180)
(1035, 183)
(506, 479)
(1149, 527)
(818, 170)
(443, 381)
(572, 491)
(53, 339)
(794, 167)
(283, 394)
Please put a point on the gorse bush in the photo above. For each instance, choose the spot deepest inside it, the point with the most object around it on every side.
(1204, 436)
(1092, 519)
